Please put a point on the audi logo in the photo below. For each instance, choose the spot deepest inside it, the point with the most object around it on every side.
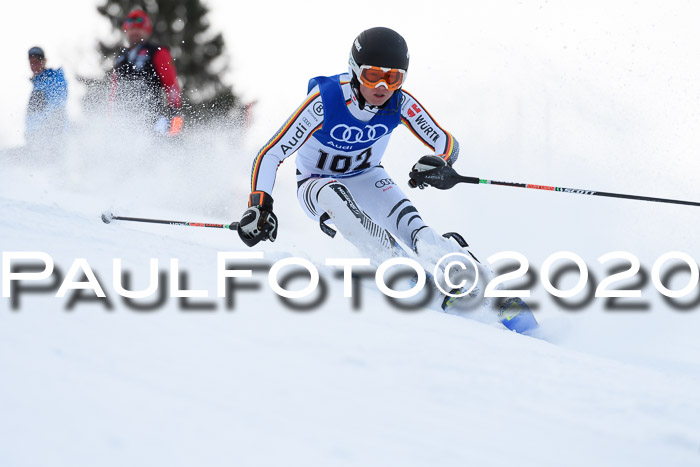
(353, 135)
(383, 182)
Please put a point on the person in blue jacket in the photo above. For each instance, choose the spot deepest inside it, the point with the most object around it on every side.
(46, 111)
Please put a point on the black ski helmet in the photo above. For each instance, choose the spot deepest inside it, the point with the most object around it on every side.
(378, 46)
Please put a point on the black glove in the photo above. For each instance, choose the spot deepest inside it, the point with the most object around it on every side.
(258, 221)
(427, 165)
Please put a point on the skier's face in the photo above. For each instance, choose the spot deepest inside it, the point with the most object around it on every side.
(36, 64)
(136, 35)
(377, 96)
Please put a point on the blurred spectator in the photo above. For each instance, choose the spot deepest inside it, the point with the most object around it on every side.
(46, 112)
(144, 79)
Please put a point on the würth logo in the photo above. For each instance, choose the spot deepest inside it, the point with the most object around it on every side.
(414, 110)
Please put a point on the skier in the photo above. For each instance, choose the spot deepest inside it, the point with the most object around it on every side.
(340, 133)
(144, 74)
(46, 111)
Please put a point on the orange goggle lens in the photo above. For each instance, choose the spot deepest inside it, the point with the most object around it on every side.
(374, 76)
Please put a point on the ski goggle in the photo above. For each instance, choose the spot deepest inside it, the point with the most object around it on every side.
(375, 76)
(138, 20)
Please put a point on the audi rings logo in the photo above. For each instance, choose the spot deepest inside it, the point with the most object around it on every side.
(383, 182)
(353, 135)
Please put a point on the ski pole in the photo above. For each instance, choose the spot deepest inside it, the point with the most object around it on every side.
(446, 177)
(109, 217)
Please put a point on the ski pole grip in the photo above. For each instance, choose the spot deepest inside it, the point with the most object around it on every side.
(473, 180)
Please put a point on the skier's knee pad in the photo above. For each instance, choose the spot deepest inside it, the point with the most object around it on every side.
(336, 200)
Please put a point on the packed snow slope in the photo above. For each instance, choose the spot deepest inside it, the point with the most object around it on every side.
(260, 384)
(606, 102)
(88, 382)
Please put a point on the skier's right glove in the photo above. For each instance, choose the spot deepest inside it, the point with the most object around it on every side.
(426, 165)
(258, 222)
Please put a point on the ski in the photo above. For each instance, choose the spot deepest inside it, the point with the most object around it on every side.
(514, 313)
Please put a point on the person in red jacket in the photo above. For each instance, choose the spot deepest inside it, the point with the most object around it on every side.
(144, 77)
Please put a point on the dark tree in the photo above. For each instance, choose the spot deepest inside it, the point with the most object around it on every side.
(182, 26)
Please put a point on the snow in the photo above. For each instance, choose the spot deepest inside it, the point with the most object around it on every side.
(546, 101)
(264, 385)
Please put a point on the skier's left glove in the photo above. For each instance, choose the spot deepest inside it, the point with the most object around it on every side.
(426, 166)
(258, 222)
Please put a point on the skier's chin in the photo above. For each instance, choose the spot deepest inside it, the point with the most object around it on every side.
(376, 97)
